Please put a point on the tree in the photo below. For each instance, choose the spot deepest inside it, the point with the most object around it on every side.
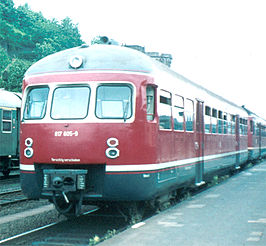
(4, 59)
(13, 74)
(25, 37)
(47, 47)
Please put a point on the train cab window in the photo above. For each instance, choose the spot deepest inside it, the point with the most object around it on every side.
(165, 110)
(214, 120)
(178, 113)
(7, 121)
(36, 102)
(114, 102)
(189, 115)
(207, 119)
(66, 101)
(150, 95)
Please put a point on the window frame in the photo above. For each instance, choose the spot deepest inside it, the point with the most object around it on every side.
(214, 121)
(30, 89)
(5, 120)
(150, 102)
(68, 87)
(179, 109)
(192, 113)
(207, 118)
(131, 101)
(168, 102)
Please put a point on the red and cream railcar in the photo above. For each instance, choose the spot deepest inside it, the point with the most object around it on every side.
(256, 137)
(106, 123)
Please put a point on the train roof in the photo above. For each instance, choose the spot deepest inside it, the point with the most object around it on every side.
(257, 118)
(9, 99)
(96, 57)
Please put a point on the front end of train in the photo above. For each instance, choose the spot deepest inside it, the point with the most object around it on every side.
(83, 128)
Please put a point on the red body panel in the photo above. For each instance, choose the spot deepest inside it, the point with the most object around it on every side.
(137, 140)
(90, 145)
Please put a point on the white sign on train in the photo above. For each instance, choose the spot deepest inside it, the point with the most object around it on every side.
(66, 133)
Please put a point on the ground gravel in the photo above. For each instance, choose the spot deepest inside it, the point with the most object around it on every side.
(24, 224)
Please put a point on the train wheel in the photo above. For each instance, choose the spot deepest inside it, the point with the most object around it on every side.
(136, 212)
(132, 212)
(6, 163)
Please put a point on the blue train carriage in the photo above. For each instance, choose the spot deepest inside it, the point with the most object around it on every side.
(10, 104)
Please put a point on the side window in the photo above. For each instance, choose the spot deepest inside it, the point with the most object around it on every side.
(243, 126)
(214, 120)
(7, 121)
(225, 123)
(165, 110)
(178, 113)
(220, 122)
(207, 119)
(150, 95)
(257, 129)
(189, 115)
(233, 124)
(229, 121)
(263, 131)
(252, 127)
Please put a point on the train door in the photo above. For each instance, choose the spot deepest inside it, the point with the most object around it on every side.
(237, 164)
(260, 139)
(199, 143)
(18, 128)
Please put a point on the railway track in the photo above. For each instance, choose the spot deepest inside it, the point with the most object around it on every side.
(5, 179)
(14, 175)
(95, 225)
(11, 197)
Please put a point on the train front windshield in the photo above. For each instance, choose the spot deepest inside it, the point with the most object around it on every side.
(70, 103)
(112, 101)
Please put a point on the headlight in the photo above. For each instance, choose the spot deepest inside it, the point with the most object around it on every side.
(28, 152)
(112, 153)
(28, 142)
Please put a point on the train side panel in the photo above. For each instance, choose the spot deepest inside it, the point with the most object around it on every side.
(9, 131)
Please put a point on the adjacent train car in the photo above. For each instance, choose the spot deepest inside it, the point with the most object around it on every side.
(10, 104)
(107, 124)
(256, 136)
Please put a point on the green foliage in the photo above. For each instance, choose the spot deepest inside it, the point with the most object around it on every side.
(26, 36)
(4, 59)
(12, 76)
